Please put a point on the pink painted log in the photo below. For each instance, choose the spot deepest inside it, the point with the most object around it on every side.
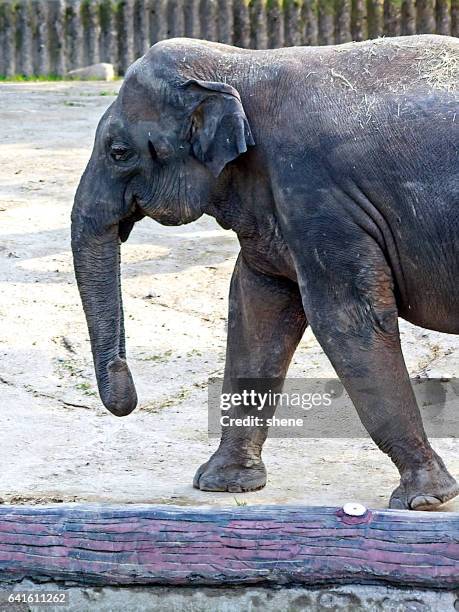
(140, 544)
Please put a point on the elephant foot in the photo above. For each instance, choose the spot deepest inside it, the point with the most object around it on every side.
(225, 472)
(425, 489)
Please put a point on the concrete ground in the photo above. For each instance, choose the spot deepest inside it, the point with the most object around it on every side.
(350, 598)
(57, 442)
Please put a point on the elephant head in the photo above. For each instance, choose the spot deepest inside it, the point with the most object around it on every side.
(161, 150)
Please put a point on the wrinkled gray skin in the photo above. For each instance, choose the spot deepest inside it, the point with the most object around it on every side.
(337, 168)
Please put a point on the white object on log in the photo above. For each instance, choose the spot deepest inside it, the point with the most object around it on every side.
(354, 509)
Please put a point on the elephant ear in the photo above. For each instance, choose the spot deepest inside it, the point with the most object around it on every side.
(219, 130)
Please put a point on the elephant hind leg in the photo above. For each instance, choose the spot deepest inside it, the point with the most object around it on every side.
(425, 489)
(349, 301)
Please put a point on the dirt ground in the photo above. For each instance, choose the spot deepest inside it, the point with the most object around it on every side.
(57, 442)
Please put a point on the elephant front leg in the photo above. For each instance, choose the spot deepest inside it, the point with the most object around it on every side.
(265, 323)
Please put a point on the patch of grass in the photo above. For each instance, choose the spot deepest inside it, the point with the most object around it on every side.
(70, 367)
(49, 78)
(70, 103)
(86, 388)
(67, 367)
(174, 400)
(20, 78)
(240, 503)
(160, 358)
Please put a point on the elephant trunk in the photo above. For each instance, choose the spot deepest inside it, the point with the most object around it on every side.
(97, 269)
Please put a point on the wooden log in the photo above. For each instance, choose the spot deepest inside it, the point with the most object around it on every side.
(275, 24)
(258, 24)
(442, 17)
(241, 24)
(129, 545)
(40, 10)
(392, 18)
(343, 21)
(293, 23)
(24, 29)
(225, 21)
(408, 17)
(311, 32)
(75, 35)
(359, 20)
(425, 16)
(191, 16)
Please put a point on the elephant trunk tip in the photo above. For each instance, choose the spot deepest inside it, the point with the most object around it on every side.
(120, 397)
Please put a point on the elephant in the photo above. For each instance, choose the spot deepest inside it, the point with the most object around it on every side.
(337, 168)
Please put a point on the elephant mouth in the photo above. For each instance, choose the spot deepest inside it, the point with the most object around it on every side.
(125, 225)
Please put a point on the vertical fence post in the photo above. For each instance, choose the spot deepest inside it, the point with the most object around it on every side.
(343, 21)
(191, 14)
(275, 25)
(93, 32)
(392, 18)
(375, 18)
(9, 23)
(408, 17)
(2, 41)
(225, 21)
(58, 29)
(293, 23)
(24, 30)
(326, 22)
(175, 18)
(425, 16)
(241, 24)
(310, 22)
(75, 35)
(455, 18)
(108, 39)
(359, 20)
(258, 24)
(84, 29)
(158, 23)
(208, 18)
(40, 10)
(126, 34)
(443, 22)
(141, 28)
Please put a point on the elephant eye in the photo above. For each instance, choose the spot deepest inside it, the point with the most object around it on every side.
(119, 153)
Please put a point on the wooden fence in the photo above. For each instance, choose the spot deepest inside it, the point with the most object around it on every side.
(44, 37)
